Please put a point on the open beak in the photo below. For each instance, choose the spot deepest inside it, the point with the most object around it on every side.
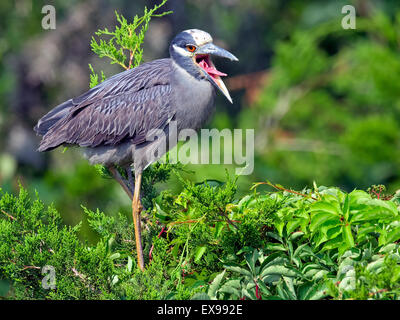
(202, 58)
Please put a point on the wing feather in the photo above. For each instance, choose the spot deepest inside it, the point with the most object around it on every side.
(126, 106)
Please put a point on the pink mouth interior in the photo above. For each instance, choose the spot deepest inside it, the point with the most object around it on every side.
(204, 62)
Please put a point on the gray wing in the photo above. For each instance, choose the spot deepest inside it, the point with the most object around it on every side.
(125, 106)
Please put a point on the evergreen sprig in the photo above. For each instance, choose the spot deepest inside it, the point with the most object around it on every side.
(124, 44)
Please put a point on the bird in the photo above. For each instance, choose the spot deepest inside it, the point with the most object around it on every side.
(112, 121)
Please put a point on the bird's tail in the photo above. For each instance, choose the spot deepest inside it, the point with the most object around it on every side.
(51, 118)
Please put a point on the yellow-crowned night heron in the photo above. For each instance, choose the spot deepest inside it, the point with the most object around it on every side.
(113, 121)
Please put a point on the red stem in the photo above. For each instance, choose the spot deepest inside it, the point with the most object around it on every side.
(258, 294)
(152, 247)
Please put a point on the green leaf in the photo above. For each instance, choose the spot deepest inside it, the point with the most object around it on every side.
(371, 214)
(334, 232)
(292, 225)
(273, 259)
(312, 291)
(346, 207)
(333, 244)
(363, 231)
(273, 235)
(129, 265)
(324, 207)
(393, 235)
(327, 226)
(375, 266)
(212, 291)
(296, 235)
(200, 296)
(114, 256)
(200, 250)
(320, 218)
(240, 270)
(275, 247)
(279, 270)
(219, 226)
(251, 260)
(348, 236)
(289, 288)
(282, 292)
(231, 287)
(264, 289)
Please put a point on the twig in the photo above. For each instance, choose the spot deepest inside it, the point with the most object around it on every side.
(379, 291)
(8, 215)
(195, 221)
(30, 267)
(78, 274)
(284, 189)
(227, 218)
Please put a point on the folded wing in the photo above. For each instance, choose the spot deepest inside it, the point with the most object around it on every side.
(125, 106)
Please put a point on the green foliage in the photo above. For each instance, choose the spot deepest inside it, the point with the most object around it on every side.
(330, 107)
(124, 46)
(320, 243)
(368, 274)
(33, 236)
(308, 239)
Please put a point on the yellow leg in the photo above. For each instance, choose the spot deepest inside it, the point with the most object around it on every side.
(136, 210)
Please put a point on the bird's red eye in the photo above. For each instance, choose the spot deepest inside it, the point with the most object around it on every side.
(190, 48)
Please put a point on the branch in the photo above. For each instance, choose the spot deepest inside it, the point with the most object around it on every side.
(284, 189)
(8, 215)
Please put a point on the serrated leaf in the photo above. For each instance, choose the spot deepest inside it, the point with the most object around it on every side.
(279, 270)
(376, 265)
(320, 218)
(239, 270)
(212, 291)
(264, 290)
(296, 235)
(275, 247)
(325, 207)
(393, 235)
(333, 244)
(278, 258)
(251, 260)
(273, 235)
(313, 291)
(288, 285)
(292, 225)
(281, 292)
(348, 236)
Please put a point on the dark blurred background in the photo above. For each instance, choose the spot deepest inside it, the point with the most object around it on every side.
(324, 101)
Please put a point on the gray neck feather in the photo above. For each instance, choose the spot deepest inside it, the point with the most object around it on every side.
(187, 64)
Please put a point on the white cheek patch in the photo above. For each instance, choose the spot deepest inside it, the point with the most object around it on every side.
(182, 51)
(201, 37)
